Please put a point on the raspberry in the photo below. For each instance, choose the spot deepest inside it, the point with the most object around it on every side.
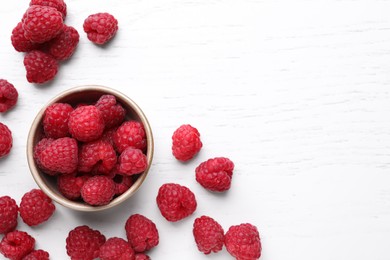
(109, 136)
(98, 157)
(55, 120)
(243, 242)
(8, 214)
(40, 67)
(130, 134)
(141, 233)
(37, 255)
(175, 201)
(63, 46)
(57, 4)
(38, 148)
(60, 155)
(100, 27)
(116, 249)
(132, 161)
(86, 123)
(8, 96)
(20, 42)
(208, 234)
(16, 244)
(5, 140)
(215, 174)
(122, 183)
(36, 207)
(98, 190)
(83, 243)
(141, 256)
(186, 143)
(113, 113)
(70, 186)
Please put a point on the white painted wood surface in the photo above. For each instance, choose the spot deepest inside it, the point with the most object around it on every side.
(296, 93)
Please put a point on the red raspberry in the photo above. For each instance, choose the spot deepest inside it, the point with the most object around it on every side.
(63, 46)
(243, 242)
(8, 214)
(98, 157)
(98, 190)
(113, 113)
(109, 135)
(5, 140)
(37, 255)
(186, 142)
(141, 233)
(175, 201)
(70, 186)
(16, 244)
(60, 155)
(36, 207)
(130, 134)
(132, 161)
(122, 183)
(86, 123)
(8, 96)
(40, 67)
(20, 42)
(116, 248)
(83, 243)
(55, 120)
(215, 174)
(100, 27)
(38, 148)
(208, 234)
(57, 4)
(141, 256)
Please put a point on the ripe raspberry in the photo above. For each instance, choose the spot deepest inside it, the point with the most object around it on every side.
(243, 242)
(141, 256)
(70, 186)
(20, 42)
(113, 113)
(100, 27)
(122, 183)
(186, 142)
(141, 233)
(63, 46)
(109, 135)
(38, 148)
(130, 134)
(36, 207)
(132, 161)
(175, 201)
(215, 174)
(83, 243)
(208, 234)
(8, 95)
(40, 67)
(16, 244)
(57, 4)
(37, 255)
(8, 214)
(5, 140)
(86, 123)
(97, 156)
(60, 155)
(98, 190)
(55, 120)
(116, 249)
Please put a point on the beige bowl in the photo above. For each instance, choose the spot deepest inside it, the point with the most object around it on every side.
(86, 94)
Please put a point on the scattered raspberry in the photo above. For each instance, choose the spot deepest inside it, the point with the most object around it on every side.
(116, 249)
(60, 155)
(141, 233)
(42, 23)
(100, 27)
(36, 207)
(5, 140)
(55, 120)
(8, 214)
(132, 161)
(215, 174)
(8, 95)
(243, 242)
(63, 46)
(98, 157)
(141, 256)
(70, 186)
(175, 201)
(83, 243)
(16, 244)
(38, 148)
(122, 183)
(40, 67)
(37, 255)
(20, 42)
(98, 190)
(186, 143)
(208, 234)
(57, 4)
(86, 123)
(113, 113)
(130, 134)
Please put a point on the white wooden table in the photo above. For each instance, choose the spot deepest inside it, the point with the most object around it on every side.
(296, 93)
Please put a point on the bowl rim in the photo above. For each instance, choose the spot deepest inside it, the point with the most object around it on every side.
(75, 205)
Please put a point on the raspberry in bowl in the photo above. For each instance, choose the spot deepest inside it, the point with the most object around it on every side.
(90, 148)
